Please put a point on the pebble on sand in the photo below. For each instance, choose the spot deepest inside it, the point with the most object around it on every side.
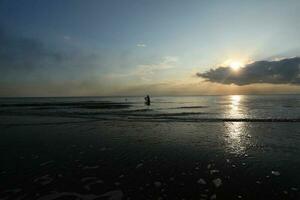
(114, 195)
(294, 189)
(217, 182)
(46, 163)
(214, 171)
(44, 180)
(201, 181)
(276, 173)
(139, 165)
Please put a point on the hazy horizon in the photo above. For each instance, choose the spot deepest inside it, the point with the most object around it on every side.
(143, 95)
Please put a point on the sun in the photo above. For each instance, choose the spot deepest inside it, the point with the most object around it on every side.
(236, 65)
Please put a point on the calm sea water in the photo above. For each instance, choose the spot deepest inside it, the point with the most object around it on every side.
(195, 108)
(204, 147)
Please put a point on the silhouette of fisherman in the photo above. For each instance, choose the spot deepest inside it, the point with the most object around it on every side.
(147, 100)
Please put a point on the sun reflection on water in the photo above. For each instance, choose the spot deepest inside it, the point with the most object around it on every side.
(235, 132)
(235, 102)
(235, 109)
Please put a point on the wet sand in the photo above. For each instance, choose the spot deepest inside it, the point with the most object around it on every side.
(54, 158)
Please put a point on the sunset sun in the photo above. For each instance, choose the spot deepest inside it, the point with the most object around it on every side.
(236, 65)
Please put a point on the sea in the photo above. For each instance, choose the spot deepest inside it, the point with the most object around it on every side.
(179, 147)
(187, 108)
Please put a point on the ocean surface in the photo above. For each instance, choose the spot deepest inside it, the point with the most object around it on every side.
(194, 108)
(197, 147)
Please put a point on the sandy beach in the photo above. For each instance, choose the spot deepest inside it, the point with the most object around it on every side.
(47, 158)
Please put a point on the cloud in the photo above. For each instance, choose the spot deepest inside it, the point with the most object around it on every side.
(146, 71)
(285, 71)
(142, 45)
(19, 52)
(31, 59)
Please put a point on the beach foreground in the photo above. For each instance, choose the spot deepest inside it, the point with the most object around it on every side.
(48, 158)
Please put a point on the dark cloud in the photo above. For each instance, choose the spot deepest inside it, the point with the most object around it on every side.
(286, 71)
(19, 52)
(30, 59)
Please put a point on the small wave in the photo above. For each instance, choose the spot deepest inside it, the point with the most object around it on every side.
(191, 107)
(175, 119)
(86, 105)
(115, 194)
(138, 110)
(162, 119)
(156, 115)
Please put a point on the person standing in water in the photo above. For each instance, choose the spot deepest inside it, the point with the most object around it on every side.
(147, 100)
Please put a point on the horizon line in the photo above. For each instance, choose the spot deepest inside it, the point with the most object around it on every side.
(115, 96)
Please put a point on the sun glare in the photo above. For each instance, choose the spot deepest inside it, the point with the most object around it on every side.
(236, 65)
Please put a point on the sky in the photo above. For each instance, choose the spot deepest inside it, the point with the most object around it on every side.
(156, 47)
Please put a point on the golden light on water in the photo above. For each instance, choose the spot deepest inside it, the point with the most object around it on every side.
(235, 136)
(235, 101)
(235, 131)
